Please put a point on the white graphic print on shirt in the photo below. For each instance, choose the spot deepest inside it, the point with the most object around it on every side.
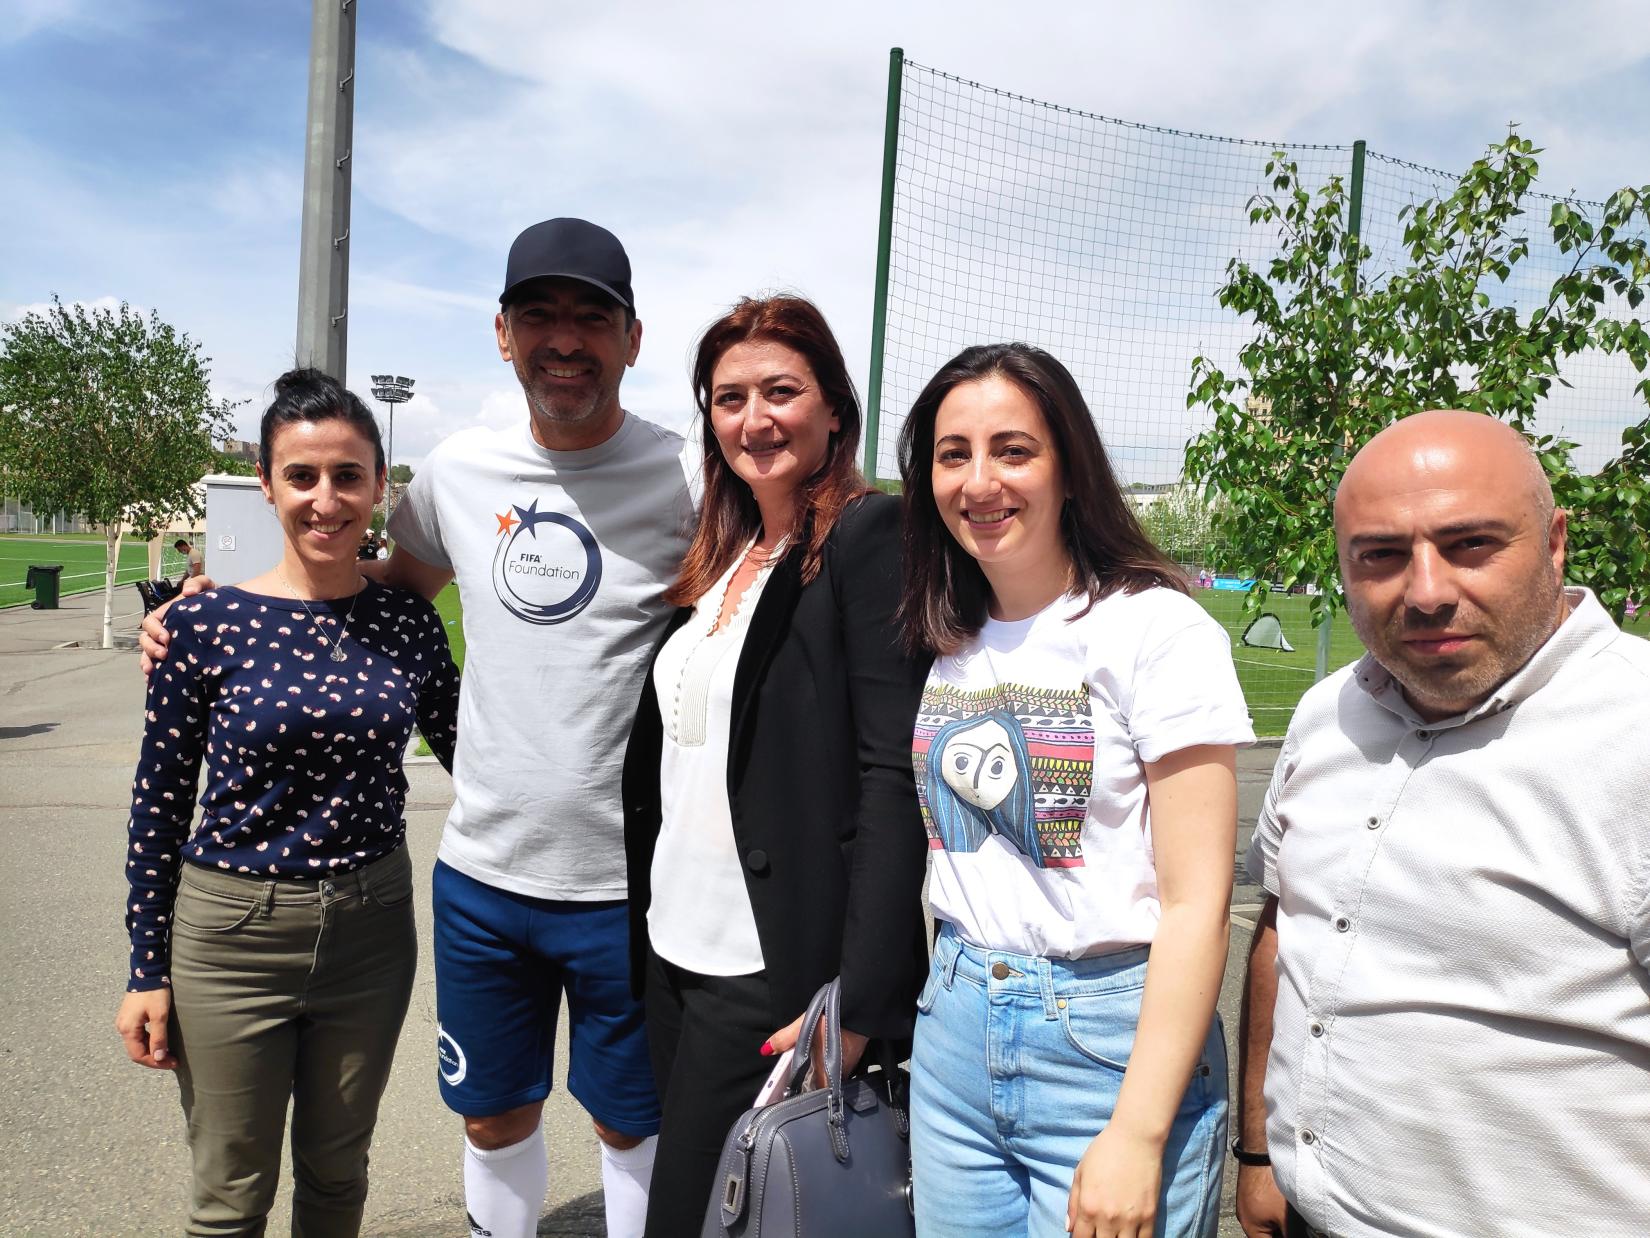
(547, 566)
(1013, 760)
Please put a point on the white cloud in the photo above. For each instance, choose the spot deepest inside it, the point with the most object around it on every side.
(110, 304)
(25, 18)
(738, 147)
(405, 297)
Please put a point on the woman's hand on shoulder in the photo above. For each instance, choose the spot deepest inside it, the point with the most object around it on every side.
(853, 1047)
(143, 1021)
(1114, 1191)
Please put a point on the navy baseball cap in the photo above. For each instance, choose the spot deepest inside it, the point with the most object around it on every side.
(569, 249)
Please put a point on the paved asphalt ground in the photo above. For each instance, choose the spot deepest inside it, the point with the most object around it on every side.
(93, 1145)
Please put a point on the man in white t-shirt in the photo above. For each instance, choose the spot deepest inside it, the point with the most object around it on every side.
(562, 535)
(1448, 1005)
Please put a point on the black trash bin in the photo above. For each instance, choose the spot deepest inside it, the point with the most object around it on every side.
(43, 579)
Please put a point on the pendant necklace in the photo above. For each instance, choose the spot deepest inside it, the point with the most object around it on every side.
(337, 646)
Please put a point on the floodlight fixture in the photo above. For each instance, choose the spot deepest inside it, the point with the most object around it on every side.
(391, 389)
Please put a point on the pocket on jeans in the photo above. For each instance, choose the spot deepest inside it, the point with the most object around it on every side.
(1102, 1026)
(925, 999)
(391, 880)
(1208, 1084)
(207, 911)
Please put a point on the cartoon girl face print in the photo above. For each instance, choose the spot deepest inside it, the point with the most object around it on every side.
(979, 764)
(1014, 760)
(984, 787)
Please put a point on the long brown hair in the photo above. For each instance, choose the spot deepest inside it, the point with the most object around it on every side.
(943, 602)
(729, 516)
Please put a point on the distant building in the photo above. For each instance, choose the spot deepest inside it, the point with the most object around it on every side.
(1144, 494)
(240, 449)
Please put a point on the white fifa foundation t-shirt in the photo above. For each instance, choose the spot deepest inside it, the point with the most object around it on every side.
(562, 560)
(1029, 749)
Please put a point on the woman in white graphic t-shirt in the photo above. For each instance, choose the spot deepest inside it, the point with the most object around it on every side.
(1074, 759)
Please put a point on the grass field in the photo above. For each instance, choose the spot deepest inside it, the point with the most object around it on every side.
(82, 557)
(446, 602)
(1272, 681)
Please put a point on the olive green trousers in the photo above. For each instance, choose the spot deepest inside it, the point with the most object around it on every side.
(281, 991)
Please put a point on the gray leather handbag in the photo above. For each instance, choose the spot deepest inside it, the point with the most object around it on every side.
(832, 1162)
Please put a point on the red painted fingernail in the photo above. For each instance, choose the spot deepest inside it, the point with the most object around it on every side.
(767, 1049)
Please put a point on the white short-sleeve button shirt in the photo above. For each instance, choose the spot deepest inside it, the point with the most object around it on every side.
(1461, 1041)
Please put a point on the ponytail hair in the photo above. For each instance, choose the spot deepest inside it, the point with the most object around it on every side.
(309, 395)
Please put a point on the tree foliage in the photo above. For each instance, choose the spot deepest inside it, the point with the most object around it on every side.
(234, 466)
(1339, 353)
(1181, 523)
(106, 413)
(109, 414)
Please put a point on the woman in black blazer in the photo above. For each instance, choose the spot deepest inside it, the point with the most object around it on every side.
(771, 824)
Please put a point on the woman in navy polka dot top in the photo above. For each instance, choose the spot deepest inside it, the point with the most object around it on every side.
(302, 753)
(272, 940)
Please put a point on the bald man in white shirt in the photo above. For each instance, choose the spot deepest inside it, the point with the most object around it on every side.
(1446, 1027)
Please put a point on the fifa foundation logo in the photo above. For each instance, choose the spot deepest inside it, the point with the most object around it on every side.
(450, 1057)
(546, 567)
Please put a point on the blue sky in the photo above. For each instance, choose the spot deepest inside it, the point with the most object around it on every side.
(153, 148)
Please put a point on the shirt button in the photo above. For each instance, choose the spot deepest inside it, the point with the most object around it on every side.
(757, 860)
(1342, 924)
(1308, 1137)
(1423, 735)
(1315, 1028)
(1373, 823)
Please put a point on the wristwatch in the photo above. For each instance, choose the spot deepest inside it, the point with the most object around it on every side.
(1248, 1158)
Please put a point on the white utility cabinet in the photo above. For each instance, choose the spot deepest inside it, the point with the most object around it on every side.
(243, 538)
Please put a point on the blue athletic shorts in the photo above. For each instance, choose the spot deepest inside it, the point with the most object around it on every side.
(501, 963)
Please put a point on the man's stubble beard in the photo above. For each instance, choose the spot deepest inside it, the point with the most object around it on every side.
(560, 409)
(1512, 642)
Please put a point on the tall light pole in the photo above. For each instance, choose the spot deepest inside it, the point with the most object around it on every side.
(323, 257)
(391, 389)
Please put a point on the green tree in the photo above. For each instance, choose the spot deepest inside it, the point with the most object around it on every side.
(1181, 522)
(401, 474)
(106, 413)
(1339, 353)
(234, 466)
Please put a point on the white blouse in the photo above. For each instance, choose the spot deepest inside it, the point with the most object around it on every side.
(701, 917)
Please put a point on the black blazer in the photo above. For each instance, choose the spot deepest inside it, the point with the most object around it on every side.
(820, 787)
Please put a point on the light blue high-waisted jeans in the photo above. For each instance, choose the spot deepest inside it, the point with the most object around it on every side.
(1016, 1068)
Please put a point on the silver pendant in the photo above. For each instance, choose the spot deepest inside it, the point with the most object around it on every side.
(338, 654)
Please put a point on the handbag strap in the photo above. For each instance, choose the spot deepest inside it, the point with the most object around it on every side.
(802, 1059)
(825, 1010)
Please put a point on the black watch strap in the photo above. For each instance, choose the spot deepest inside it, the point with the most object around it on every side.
(1248, 1158)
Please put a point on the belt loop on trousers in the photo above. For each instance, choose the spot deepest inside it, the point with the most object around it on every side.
(948, 970)
(1045, 986)
(266, 901)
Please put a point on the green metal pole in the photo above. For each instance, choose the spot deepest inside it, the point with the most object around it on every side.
(885, 239)
(1354, 226)
(1355, 203)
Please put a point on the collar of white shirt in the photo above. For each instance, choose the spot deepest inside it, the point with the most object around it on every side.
(1585, 627)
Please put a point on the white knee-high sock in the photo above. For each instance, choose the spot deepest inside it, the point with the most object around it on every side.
(626, 1174)
(504, 1188)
